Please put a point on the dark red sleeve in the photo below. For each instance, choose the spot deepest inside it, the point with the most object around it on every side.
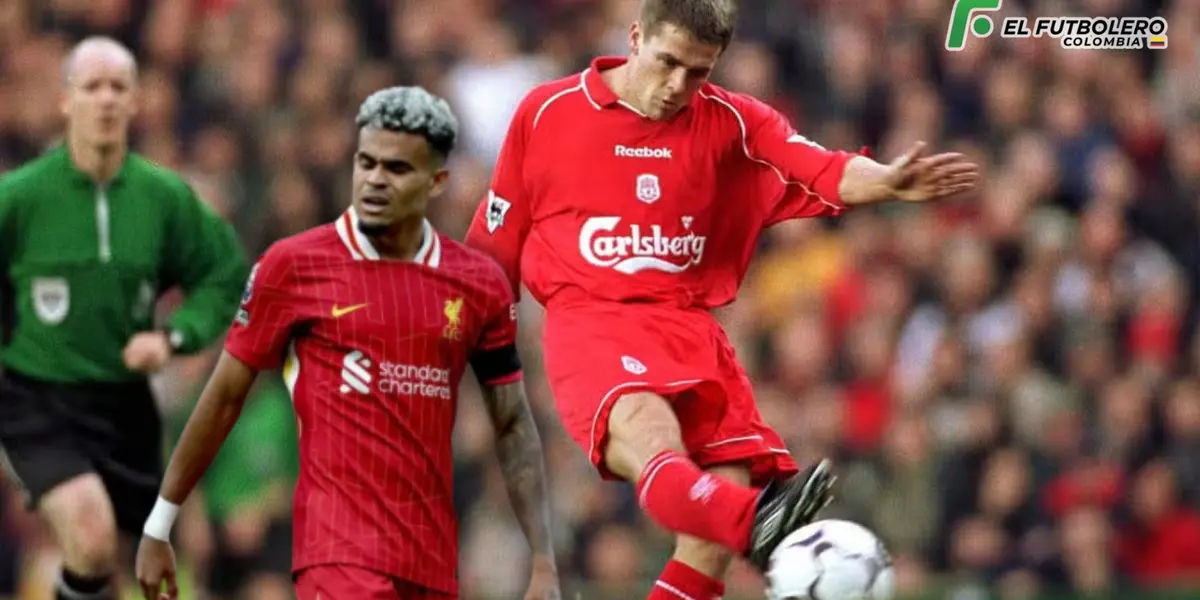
(503, 219)
(267, 315)
(495, 359)
(810, 173)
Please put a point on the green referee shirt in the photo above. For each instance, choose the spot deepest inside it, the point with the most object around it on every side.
(84, 265)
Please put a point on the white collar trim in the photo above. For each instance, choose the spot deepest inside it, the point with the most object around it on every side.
(360, 247)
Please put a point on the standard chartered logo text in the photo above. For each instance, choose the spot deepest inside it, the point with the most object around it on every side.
(639, 249)
(414, 380)
(393, 378)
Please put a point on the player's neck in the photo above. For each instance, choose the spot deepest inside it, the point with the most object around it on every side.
(618, 80)
(101, 163)
(402, 240)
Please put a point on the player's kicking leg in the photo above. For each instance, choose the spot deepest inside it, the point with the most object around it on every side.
(645, 446)
(697, 568)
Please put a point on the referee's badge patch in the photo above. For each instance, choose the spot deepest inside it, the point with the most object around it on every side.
(51, 299)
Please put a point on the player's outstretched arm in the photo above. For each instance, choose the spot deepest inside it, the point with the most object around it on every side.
(215, 414)
(836, 179)
(913, 177)
(519, 449)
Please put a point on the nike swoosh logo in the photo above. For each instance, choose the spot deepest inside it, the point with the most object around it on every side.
(341, 311)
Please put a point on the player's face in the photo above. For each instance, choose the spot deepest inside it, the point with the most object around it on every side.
(395, 174)
(668, 65)
(100, 99)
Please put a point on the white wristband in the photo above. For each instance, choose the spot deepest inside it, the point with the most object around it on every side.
(158, 524)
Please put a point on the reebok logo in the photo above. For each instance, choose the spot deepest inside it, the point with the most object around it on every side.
(633, 365)
(703, 489)
(641, 152)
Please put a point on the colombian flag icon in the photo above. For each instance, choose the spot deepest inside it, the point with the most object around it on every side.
(1158, 41)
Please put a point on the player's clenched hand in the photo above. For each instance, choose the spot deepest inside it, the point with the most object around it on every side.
(156, 565)
(543, 583)
(147, 352)
(915, 177)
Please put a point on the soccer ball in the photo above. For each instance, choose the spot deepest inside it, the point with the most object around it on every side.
(830, 560)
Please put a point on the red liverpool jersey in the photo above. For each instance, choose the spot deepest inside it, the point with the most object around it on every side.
(592, 200)
(373, 351)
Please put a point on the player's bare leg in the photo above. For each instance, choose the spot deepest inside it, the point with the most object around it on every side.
(645, 446)
(81, 517)
(640, 427)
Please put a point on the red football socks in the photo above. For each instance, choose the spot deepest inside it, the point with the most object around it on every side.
(681, 582)
(682, 498)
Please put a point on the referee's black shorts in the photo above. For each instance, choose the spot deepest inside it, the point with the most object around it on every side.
(52, 432)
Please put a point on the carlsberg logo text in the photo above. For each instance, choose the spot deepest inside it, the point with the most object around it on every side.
(637, 248)
(642, 152)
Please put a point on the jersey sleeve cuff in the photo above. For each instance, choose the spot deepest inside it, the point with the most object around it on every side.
(829, 182)
(252, 360)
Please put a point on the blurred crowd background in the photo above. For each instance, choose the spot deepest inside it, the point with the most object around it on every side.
(1009, 381)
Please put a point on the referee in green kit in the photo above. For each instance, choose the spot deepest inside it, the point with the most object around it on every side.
(90, 235)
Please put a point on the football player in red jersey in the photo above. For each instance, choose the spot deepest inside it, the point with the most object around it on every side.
(374, 319)
(629, 198)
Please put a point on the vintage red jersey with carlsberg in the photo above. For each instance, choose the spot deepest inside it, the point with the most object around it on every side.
(591, 200)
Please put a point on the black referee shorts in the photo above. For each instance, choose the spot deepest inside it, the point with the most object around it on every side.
(51, 433)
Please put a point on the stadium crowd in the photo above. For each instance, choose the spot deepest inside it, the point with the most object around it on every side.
(1010, 382)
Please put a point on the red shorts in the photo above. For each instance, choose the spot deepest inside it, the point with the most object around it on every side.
(595, 355)
(349, 582)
